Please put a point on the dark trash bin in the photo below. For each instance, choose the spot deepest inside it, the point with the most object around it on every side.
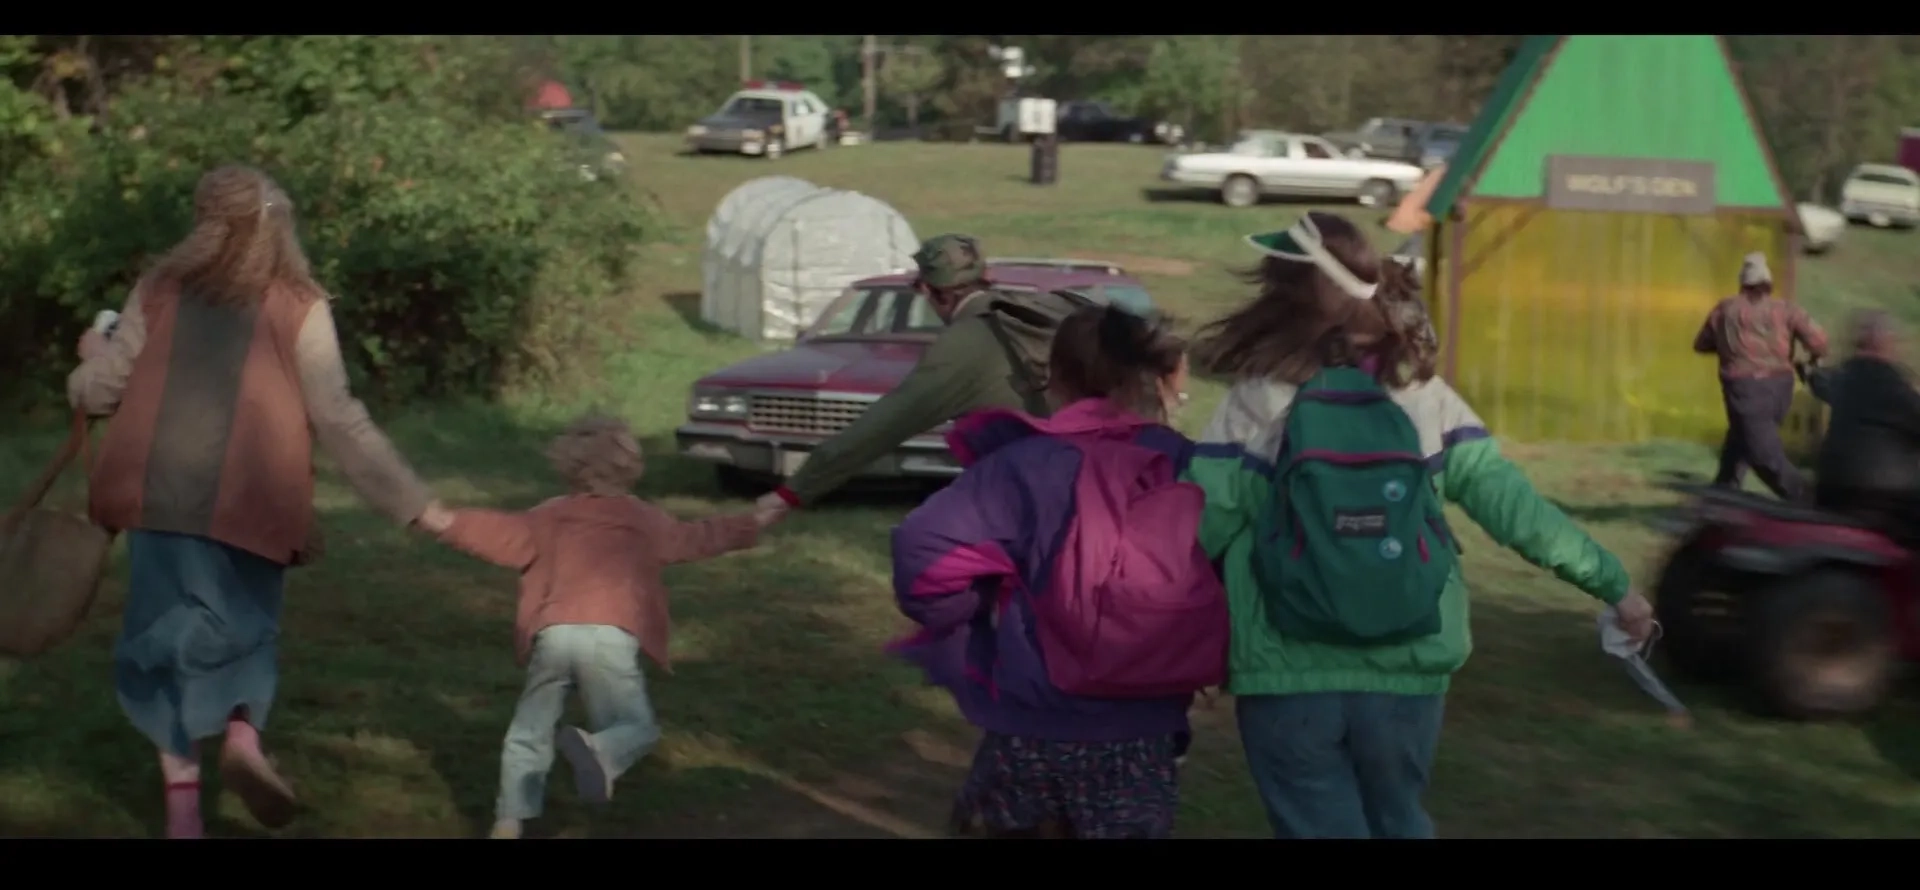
(1046, 160)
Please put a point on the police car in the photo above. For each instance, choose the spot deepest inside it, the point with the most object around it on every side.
(766, 119)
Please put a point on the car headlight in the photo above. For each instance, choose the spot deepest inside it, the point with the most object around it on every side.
(696, 130)
(752, 134)
(717, 405)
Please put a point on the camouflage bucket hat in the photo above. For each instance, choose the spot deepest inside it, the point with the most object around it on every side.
(950, 261)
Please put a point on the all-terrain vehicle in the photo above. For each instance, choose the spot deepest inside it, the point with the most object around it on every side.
(1807, 611)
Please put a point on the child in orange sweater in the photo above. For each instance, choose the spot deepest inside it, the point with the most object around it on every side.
(591, 601)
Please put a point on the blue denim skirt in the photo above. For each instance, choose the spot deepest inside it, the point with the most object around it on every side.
(199, 638)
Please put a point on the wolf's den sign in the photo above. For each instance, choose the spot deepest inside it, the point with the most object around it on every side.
(1629, 185)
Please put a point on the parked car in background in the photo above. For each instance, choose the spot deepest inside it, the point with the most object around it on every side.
(766, 120)
(1086, 121)
(1821, 227)
(1389, 138)
(1438, 144)
(588, 147)
(1269, 162)
(1881, 195)
(758, 420)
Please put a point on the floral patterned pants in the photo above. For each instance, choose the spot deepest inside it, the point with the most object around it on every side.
(1027, 787)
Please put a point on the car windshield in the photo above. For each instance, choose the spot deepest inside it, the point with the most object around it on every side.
(885, 311)
(1883, 178)
(1130, 297)
(753, 105)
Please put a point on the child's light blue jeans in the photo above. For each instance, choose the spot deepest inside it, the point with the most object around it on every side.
(603, 662)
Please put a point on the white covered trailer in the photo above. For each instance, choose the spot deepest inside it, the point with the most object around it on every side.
(779, 249)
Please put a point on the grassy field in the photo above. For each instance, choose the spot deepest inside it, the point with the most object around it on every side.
(784, 718)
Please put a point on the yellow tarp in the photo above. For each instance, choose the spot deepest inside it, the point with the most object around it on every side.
(1579, 326)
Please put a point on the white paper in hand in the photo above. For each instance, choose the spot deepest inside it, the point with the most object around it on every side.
(1615, 641)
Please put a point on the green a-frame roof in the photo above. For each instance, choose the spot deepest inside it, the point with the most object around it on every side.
(1644, 96)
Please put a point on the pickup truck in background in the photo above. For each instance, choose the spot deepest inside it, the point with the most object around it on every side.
(1395, 138)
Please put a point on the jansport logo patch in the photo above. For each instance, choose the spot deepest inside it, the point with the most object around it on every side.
(1360, 523)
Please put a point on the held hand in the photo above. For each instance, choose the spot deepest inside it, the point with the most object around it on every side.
(766, 516)
(436, 519)
(771, 501)
(1635, 616)
(92, 343)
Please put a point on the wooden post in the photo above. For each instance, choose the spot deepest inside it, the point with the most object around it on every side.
(746, 57)
(869, 87)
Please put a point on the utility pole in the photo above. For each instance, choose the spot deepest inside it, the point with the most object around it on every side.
(868, 85)
(746, 57)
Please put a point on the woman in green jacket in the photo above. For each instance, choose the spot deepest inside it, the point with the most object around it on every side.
(1340, 734)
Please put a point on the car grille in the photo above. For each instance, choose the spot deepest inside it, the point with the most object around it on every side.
(812, 415)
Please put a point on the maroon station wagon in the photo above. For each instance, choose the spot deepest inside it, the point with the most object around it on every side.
(759, 419)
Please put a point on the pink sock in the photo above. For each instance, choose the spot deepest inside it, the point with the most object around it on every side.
(183, 811)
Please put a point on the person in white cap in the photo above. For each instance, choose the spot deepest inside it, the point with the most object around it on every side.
(1754, 333)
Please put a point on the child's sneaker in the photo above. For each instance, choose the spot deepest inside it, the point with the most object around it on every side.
(590, 775)
(505, 830)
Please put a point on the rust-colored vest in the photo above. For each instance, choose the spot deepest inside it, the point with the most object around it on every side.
(211, 437)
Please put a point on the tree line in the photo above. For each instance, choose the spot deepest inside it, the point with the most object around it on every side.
(1825, 102)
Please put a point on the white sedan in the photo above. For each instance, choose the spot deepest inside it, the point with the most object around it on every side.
(1267, 162)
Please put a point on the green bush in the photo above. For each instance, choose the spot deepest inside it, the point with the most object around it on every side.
(464, 252)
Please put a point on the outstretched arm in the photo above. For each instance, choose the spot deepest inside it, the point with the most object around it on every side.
(1498, 496)
(946, 382)
(345, 430)
(689, 541)
(504, 539)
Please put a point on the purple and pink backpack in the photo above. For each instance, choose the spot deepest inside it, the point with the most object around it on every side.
(1135, 609)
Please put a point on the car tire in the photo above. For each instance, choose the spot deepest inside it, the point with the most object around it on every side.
(1378, 193)
(1703, 621)
(825, 141)
(1822, 646)
(1240, 190)
(735, 482)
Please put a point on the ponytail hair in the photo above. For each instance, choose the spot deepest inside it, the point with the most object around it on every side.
(1108, 352)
